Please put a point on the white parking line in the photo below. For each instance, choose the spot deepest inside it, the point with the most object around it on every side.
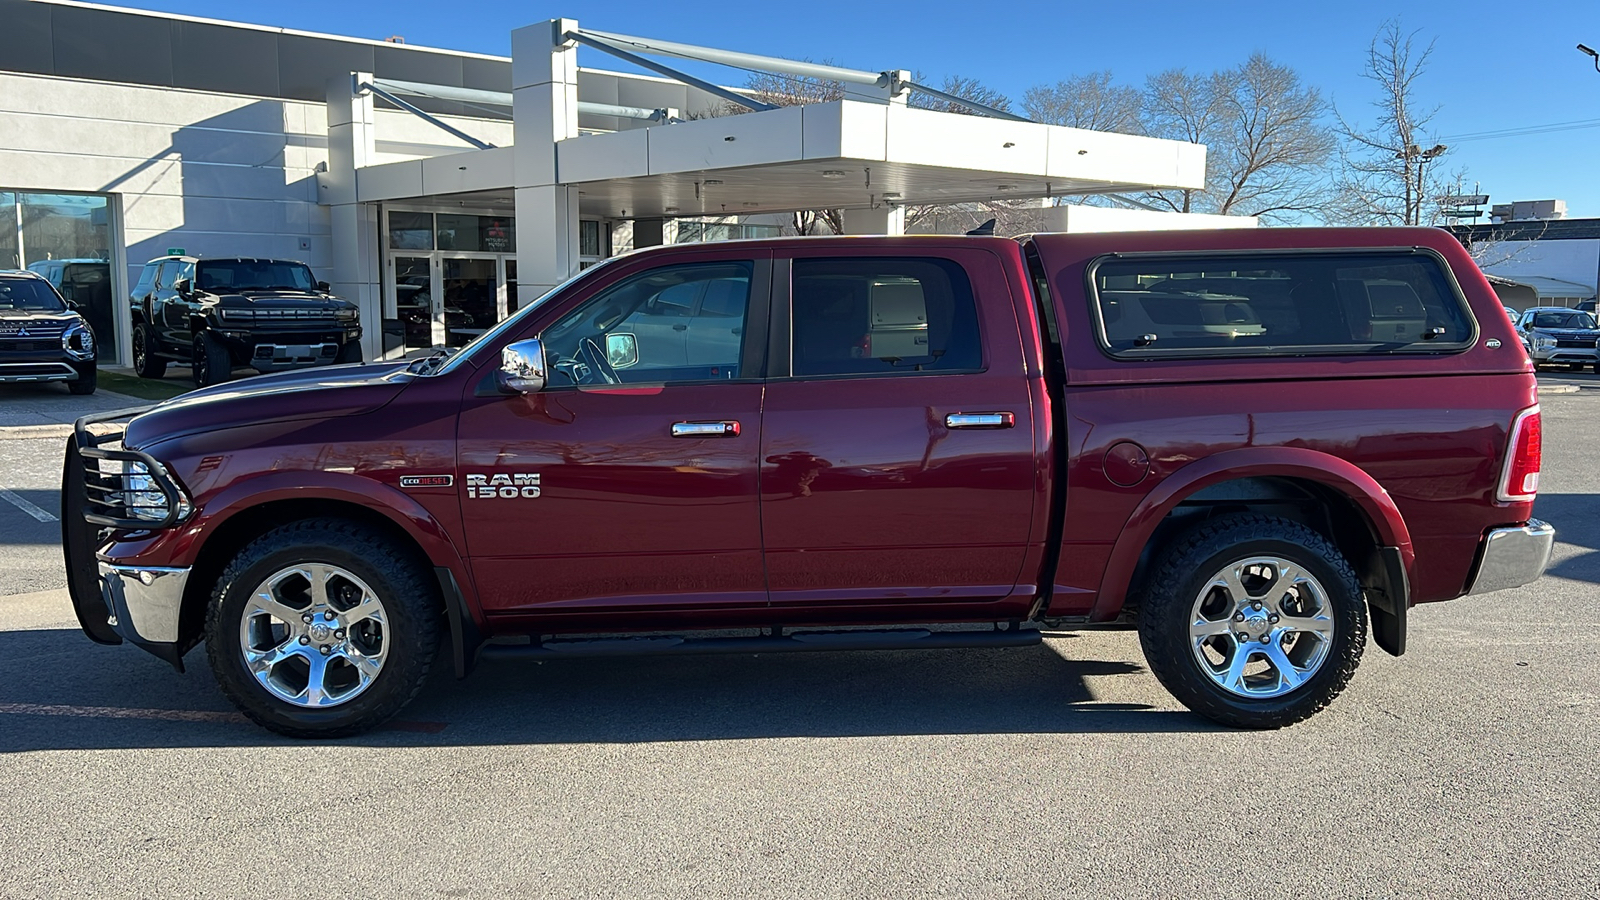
(27, 507)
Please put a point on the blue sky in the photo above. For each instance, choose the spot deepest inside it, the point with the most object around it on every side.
(1496, 65)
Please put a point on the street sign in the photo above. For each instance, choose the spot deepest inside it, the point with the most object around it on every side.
(1465, 200)
(176, 251)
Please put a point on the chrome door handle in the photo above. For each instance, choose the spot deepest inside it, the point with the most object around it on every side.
(705, 429)
(980, 420)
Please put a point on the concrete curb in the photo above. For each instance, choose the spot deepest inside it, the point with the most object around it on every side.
(30, 432)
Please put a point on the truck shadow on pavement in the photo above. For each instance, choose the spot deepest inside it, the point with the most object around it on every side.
(60, 692)
(1577, 521)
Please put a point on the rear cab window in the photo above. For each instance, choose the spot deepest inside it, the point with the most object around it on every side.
(883, 316)
(1278, 304)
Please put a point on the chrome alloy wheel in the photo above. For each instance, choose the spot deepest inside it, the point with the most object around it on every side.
(314, 635)
(1261, 627)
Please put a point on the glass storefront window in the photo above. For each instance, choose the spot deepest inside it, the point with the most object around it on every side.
(476, 234)
(588, 238)
(10, 253)
(67, 239)
(410, 230)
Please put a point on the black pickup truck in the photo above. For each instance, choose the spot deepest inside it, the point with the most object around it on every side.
(218, 314)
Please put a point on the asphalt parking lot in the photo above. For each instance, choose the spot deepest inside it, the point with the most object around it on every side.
(1465, 769)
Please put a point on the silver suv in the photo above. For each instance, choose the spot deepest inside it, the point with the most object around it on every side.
(1556, 334)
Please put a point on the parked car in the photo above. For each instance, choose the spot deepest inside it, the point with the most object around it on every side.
(1586, 305)
(86, 286)
(1231, 438)
(219, 314)
(41, 339)
(1554, 335)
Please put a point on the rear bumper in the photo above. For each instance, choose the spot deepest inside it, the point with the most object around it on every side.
(1514, 556)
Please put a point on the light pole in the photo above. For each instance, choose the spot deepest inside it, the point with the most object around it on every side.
(1416, 191)
(1590, 52)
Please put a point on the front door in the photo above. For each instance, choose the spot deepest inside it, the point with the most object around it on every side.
(897, 450)
(629, 483)
(471, 291)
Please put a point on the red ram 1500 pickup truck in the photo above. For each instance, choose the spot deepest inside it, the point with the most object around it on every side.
(1258, 445)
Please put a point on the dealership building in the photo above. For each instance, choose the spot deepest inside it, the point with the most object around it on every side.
(433, 187)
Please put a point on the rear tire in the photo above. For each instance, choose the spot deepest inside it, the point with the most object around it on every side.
(372, 634)
(145, 346)
(1268, 588)
(212, 363)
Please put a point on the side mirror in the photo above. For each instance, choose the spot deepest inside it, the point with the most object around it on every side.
(322, 286)
(622, 350)
(183, 287)
(522, 367)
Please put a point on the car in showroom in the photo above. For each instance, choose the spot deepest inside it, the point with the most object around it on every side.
(41, 338)
(86, 286)
(1556, 335)
(216, 315)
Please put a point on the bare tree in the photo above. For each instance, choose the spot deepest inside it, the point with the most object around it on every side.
(1086, 101)
(965, 88)
(1266, 148)
(1390, 174)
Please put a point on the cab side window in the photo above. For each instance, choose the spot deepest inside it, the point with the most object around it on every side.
(892, 316)
(660, 326)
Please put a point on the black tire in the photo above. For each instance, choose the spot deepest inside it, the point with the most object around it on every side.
(146, 364)
(1167, 606)
(212, 363)
(412, 610)
(350, 352)
(88, 380)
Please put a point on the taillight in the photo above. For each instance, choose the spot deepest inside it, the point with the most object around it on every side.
(1520, 480)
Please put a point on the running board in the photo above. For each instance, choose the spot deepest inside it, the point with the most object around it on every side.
(796, 642)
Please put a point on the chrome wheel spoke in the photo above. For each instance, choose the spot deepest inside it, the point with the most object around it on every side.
(262, 661)
(264, 602)
(1320, 624)
(1290, 676)
(316, 691)
(368, 608)
(1232, 678)
(318, 575)
(1203, 628)
(1229, 580)
(368, 666)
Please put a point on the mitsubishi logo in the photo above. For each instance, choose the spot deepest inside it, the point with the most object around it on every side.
(22, 332)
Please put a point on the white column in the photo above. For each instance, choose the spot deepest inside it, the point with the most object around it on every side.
(352, 143)
(878, 220)
(544, 105)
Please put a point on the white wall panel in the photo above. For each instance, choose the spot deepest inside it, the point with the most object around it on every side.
(592, 157)
(748, 140)
(929, 138)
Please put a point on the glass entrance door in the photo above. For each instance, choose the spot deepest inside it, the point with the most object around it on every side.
(415, 305)
(471, 289)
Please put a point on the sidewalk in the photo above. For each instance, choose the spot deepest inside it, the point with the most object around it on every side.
(47, 410)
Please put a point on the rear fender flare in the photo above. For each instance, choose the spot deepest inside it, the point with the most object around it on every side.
(1288, 462)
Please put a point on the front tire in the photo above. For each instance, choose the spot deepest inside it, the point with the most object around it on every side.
(88, 380)
(350, 352)
(322, 628)
(145, 362)
(1253, 621)
(212, 364)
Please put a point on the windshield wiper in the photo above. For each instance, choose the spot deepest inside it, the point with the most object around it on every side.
(431, 363)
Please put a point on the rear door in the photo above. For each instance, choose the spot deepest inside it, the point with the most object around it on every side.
(897, 447)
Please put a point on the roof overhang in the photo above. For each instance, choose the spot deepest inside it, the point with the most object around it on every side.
(845, 154)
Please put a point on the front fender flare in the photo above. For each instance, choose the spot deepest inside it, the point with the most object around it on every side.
(1287, 462)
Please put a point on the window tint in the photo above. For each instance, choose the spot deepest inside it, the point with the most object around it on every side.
(1562, 320)
(147, 279)
(30, 295)
(1241, 305)
(883, 316)
(257, 274)
(658, 326)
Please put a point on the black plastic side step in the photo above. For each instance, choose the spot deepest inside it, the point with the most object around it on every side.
(796, 642)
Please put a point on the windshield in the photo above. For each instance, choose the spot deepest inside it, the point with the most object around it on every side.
(253, 274)
(512, 321)
(1563, 320)
(29, 295)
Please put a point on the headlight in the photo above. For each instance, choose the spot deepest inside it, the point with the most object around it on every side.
(1542, 342)
(78, 340)
(239, 314)
(347, 315)
(143, 498)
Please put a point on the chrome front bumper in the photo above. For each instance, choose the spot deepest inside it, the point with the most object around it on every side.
(144, 601)
(1512, 557)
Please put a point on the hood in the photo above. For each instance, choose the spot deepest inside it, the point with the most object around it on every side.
(282, 298)
(316, 393)
(1568, 333)
(22, 316)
